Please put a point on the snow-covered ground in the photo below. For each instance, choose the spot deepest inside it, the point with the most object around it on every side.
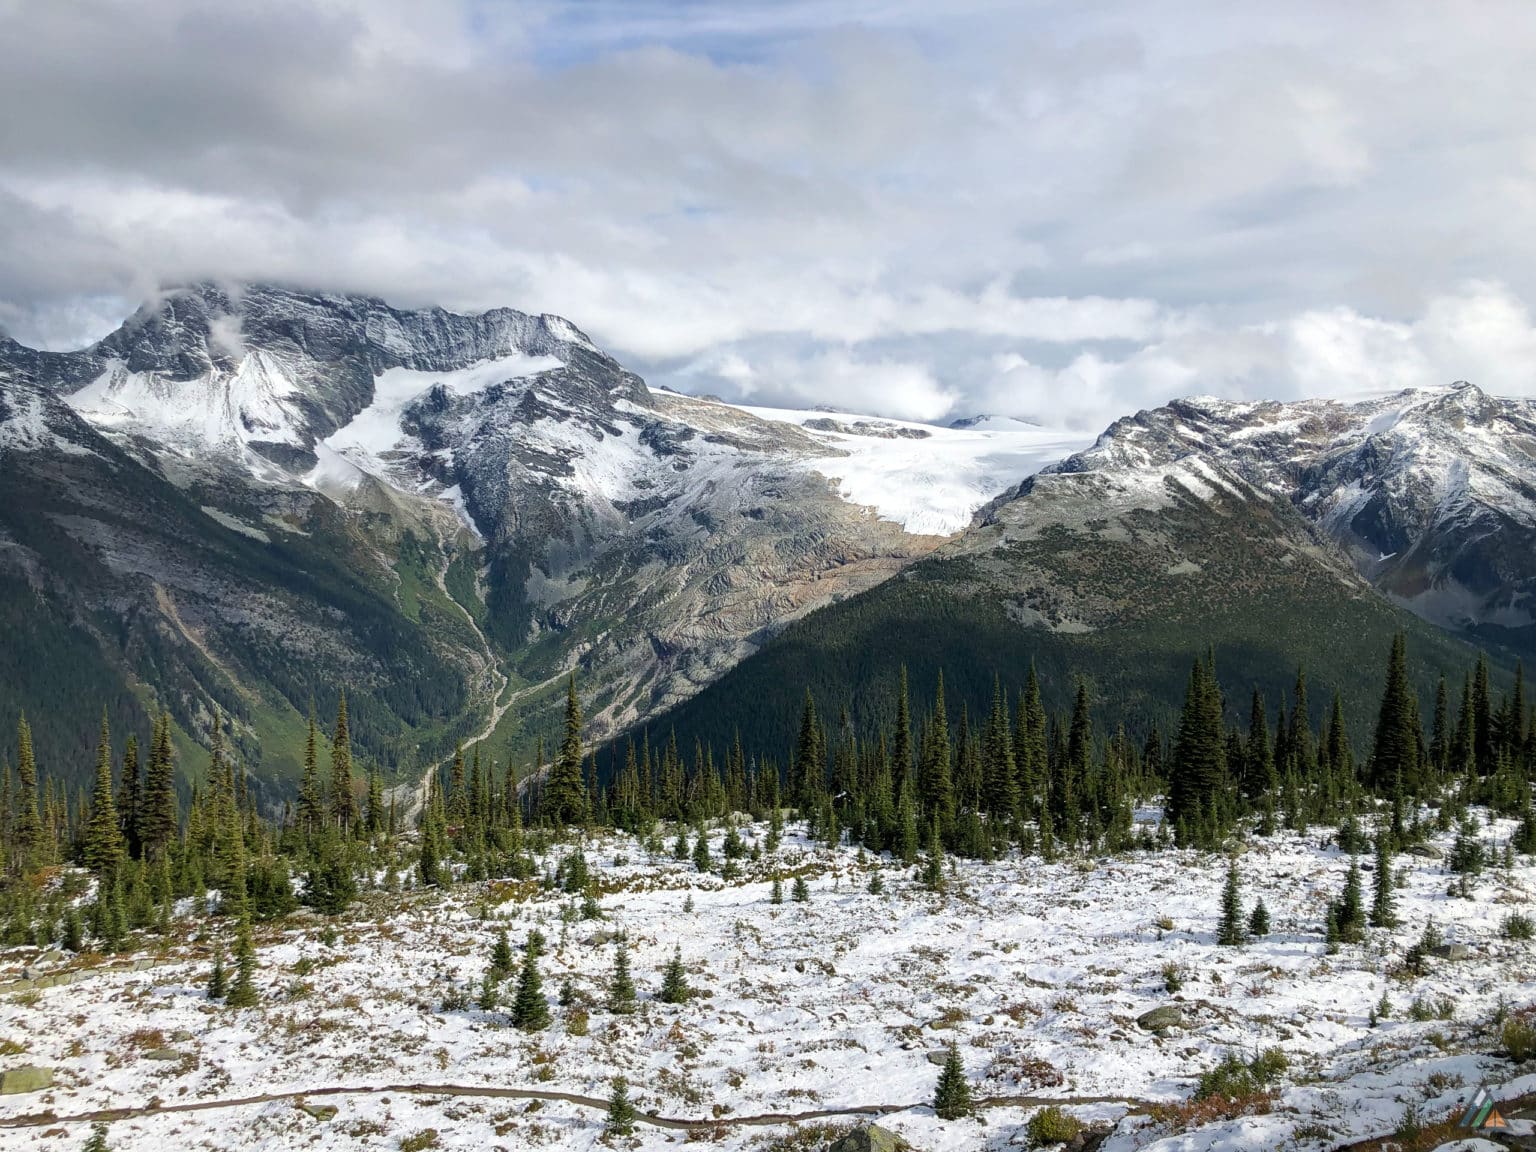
(1038, 972)
(927, 478)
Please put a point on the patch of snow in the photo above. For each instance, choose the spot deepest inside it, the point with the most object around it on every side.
(455, 496)
(371, 437)
(225, 410)
(933, 484)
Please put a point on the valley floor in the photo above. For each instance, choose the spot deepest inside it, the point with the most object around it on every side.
(1038, 972)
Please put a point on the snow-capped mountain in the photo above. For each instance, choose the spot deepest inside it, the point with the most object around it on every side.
(529, 502)
(1431, 494)
(511, 504)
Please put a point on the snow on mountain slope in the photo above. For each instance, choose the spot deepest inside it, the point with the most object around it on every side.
(219, 410)
(928, 479)
(374, 440)
(1431, 493)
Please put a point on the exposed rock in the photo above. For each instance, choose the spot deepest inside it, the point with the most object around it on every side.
(1451, 952)
(166, 1054)
(321, 1112)
(868, 1138)
(1426, 851)
(1164, 1016)
(29, 1078)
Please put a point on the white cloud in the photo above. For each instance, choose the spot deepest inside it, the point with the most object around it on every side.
(1054, 209)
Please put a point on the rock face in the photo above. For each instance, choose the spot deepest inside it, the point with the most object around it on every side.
(29, 1078)
(1161, 1017)
(247, 497)
(868, 1138)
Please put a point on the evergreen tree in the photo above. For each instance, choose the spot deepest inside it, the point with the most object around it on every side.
(157, 817)
(1258, 923)
(27, 835)
(901, 747)
(776, 891)
(952, 1097)
(1000, 768)
(343, 806)
(621, 1113)
(1260, 779)
(1440, 739)
(98, 1140)
(674, 980)
(242, 992)
(565, 792)
(428, 869)
(1394, 756)
(489, 996)
(933, 866)
(128, 800)
(1199, 761)
(906, 826)
(103, 845)
(1030, 750)
(530, 1011)
(800, 893)
(936, 789)
(501, 954)
(1233, 930)
(218, 980)
(1482, 718)
(1347, 915)
(1383, 913)
(621, 987)
(312, 816)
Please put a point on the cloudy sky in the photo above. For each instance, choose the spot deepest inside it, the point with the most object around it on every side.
(1053, 210)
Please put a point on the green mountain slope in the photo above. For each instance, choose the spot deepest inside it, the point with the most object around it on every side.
(1117, 577)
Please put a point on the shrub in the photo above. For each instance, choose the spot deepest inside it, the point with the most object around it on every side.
(1051, 1125)
(1518, 926)
(1233, 1079)
(1173, 977)
(420, 1141)
(1519, 1035)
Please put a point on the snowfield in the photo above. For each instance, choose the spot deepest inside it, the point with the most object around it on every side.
(929, 479)
(1037, 972)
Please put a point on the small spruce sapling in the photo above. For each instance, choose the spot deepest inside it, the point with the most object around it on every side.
(674, 980)
(530, 1012)
(501, 955)
(952, 1097)
(242, 993)
(218, 980)
(621, 986)
(1383, 912)
(801, 892)
(621, 1112)
(489, 997)
(1232, 932)
(1258, 922)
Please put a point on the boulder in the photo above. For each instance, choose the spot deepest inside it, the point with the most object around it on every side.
(1451, 952)
(321, 1112)
(29, 1078)
(1427, 851)
(162, 1054)
(938, 1057)
(1166, 1016)
(867, 1138)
